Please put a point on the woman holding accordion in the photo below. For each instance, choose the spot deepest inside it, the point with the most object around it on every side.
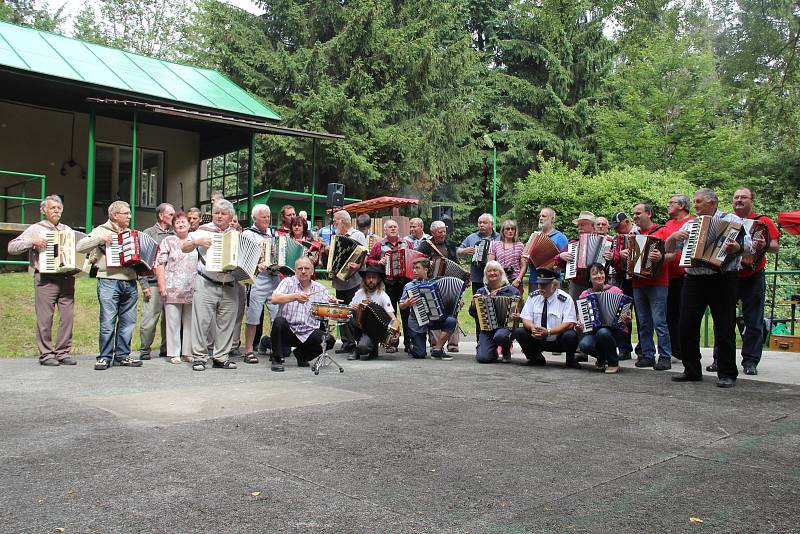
(601, 343)
(495, 285)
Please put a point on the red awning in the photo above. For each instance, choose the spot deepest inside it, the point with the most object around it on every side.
(375, 204)
(790, 221)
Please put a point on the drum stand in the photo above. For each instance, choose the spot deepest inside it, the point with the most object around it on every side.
(325, 359)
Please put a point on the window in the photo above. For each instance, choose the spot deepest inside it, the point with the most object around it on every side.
(113, 175)
(226, 173)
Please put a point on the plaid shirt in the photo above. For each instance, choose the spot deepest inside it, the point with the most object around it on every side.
(298, 314)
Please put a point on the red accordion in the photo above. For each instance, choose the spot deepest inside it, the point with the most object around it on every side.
(400, 263)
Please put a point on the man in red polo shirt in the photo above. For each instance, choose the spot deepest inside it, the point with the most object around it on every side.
(650, 297)
(678, 211)
(752, 285)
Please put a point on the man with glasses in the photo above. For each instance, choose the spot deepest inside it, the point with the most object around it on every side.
(678, 212)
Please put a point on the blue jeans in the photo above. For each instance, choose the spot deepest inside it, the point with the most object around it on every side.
(488, 343)
(602, 345)
(420, 338)
(117, 317)
(651, 312)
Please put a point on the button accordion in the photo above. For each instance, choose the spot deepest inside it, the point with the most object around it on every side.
(604, 309)
(495, 311)
(400, 263)
(541, 251)
(344, 251)
(437, 299)
(234, 253)
(59, 256)
(639, 263)
(757, 230)
(441, 266)
(376, 322)
(589, 249)
(482, 248)
(133, 249)
(708, 236)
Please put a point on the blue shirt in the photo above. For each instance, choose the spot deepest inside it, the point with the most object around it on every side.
(561, 242)
(476, 269)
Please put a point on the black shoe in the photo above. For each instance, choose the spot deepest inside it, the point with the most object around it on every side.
(624, 356)
(353, 357)
(683, 377)
(50, 362)
(128, 362)
(645, 362)
(712, 368)
(437, 354)
(303, 363)
(663, 364)
(276, 366)
(725, 382)
(537, 360)
(572, 363)
(144, 355)
(102, 364)
(343, 350)
(581, 357)
(68, 361)
(750, 370)
(227, 364)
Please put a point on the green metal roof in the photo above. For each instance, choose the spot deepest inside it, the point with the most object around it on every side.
(62, 57)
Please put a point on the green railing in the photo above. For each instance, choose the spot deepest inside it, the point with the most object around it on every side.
(22, 198)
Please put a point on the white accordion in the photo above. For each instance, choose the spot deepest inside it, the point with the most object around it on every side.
(60, 256)
(234, 253)
(705, 246)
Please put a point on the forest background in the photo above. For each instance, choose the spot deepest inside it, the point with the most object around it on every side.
(591, 105)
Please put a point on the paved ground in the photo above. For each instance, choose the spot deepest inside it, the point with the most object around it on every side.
(396, 445)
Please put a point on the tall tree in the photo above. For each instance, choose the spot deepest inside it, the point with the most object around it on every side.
(32, 13)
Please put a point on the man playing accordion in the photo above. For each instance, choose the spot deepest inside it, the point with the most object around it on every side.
(496, 286)
(445, 325)
(371, 291)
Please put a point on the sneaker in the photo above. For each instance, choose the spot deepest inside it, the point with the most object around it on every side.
(101, 364)
(446, 357)
(69, 361)
(750, 370)
(128, 362)
(645, 362)
(663, 364)
(50, 362)
(437, 354)
(712, 368)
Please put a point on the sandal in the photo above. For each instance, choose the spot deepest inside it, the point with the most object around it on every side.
(249, 357)
(175, 359)
(199, 366)
(128, 362)
(227, 364)
(187, 359)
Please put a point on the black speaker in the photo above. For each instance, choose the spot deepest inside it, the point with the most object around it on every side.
(444, 214)
(335, 196)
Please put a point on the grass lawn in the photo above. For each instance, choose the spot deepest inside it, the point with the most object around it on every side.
(18, 318)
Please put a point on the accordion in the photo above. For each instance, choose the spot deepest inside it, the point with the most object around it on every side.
(708, 236)
(442, 266)
(495, 311)
(234, 253)
(376, 322)
(59, 256)
(437, 299)
(344, 251)
(639, 263)
(400, 263)
(604, 309)
(372, 240)
(482, 248)
(589, 249)
(540, 250)
(757, 230)
(134, 249)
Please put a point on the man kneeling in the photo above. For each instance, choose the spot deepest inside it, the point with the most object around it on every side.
(418, 332)
(548, 320)
(295, 326)
(371, 290)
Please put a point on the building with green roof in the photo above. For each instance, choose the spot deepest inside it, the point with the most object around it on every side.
(96, 124)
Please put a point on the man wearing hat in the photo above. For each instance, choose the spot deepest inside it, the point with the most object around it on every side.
(585, 225)
(623, 226)
(372, 290)
(548, 320)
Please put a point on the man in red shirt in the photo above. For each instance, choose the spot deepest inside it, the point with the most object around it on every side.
(678, 211)
(752, 285)
(650, 296)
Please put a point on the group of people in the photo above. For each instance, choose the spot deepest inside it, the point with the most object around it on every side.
(201, 312)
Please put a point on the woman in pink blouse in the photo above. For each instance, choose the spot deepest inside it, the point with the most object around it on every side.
(508, 251)
(176, 272)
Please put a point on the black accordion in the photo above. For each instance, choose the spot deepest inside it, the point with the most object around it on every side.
(342, 253)
(604, 309)
(376, 322)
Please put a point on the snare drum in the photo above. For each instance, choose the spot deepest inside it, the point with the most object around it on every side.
(336, 312)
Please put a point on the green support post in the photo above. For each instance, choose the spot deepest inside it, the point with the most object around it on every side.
(133, 170)
(90, 174)
(313, 180)
(494, 187)
(251, 173)
(22, 204)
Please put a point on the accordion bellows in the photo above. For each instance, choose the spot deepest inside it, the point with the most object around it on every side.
(589, 249)
(437, 299)
(134, 249)
(376, 322)
(604, 309)
(541, 251)
(60, 256)
(705, 245)
(234, 253)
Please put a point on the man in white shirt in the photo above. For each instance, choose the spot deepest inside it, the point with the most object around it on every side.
(548, 320)
(372, 290)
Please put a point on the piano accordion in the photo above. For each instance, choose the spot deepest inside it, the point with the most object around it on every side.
(133, 249)
(59, 256)
(482, 249)
(441, 266)
(376, 322)
(234, 253)
(604, 309)
(400, 263)
(343, 252)
(757, 230)
(437, 299)
(708, 236)
(639, 263)
(589, 249)
(495, 311)
(541, 251)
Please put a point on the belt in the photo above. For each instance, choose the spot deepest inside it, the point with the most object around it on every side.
(223, 284)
